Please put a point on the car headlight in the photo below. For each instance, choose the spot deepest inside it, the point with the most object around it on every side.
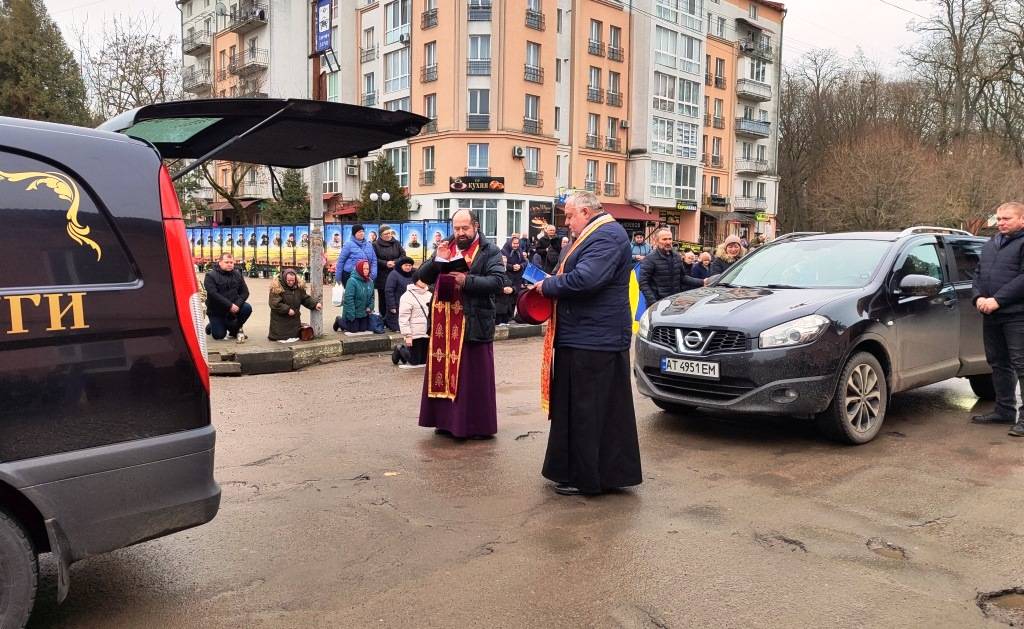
(795, 332)
(644, 330)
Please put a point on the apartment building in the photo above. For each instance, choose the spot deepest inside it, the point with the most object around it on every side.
(718, 137)
(243, 48)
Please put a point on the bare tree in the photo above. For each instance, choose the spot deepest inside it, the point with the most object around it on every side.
(233, 188)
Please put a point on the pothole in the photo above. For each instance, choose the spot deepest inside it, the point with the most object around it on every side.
(776, 540)
(1004, 605)
(888, 550)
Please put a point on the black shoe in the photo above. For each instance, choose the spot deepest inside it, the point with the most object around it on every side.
(992, 418)
(1017, 430)
(442, 431)
(395, 356)
(207, 329)
(480, 437)
(569, 490)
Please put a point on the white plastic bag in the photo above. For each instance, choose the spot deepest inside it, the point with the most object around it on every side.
(338, 295)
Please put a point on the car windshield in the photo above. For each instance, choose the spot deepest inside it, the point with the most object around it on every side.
(810, 264)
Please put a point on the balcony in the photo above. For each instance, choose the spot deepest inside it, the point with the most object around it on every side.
(615, 99)
(196, 43)
(613, 144)
(750, 203)
(750, 165)
(260, 188)
(718, 122)
(752, 128)
(428, 19)
(716, 200)
(716, 161)
(249, 62)
(611, 189)
(426, 177)
(535, 127)
(533, 179)
(369, 99)
(478, 67)
(595, 47)
(428, 73)
(533, 74)
(591, 186)
(430, 127)
(195, 80)
(708, 79)
(534, 20)
(755, 48)
(595, 94)
(720, 82)
(247, 16)
(479, 12)
(593, 141)
(368, 54)
(615, 53)
(753, 90)
(478, 122)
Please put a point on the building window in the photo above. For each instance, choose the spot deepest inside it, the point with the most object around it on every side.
(430, 54)
(689, 98)
(753, 11)
(762, 153)
(662, 136)
(399, 158)
(514, 221)
(664, 92)
(716, 185)
(690, 14)
(330, 170)
(686, 182)
(720, 27)
(716, 147)
(430, 106)
(689, 54)
(398, 104)
(593, 130)
(719, 108)
(479, 47)
(531, 109)
(596, 30)
(595, 78)
(531, 160)
(369, 41)
(591, 174)
(369, 84)
(428, 159)
(762, 190)
(396, 70)
(614, 82)
(487, 210)
(686, 140)
(614, 37)
(748, 189)
(666, 10)
(333, 81)
(479, 102)
(661, 180)
(443, 209)
(757, 69)
(558, 21)
(533, 54)
(665, 42)
(719, 68)
(479, 162)
(558, 118)
(396, 20)
(610, 172)
(613, 128)
(558, 70)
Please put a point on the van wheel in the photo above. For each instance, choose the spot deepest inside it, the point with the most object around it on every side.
(858, 407)
(983, 387)
(19, 573)
(675, 409)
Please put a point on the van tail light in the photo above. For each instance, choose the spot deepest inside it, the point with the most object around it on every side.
(187, 298)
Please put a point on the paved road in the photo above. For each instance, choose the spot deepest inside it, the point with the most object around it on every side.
(339, 512)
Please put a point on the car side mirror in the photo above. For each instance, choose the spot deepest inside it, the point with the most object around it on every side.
(920, 286)
(711, 279)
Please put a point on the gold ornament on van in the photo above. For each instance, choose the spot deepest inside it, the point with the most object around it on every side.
(65, 190)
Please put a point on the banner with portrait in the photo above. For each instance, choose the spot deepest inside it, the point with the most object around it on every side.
(207, 248)
(262, 245)
(302, 246)
(250, 244)
(332, 243)
(217, 236)
(238, 243)
(274, 254)
(412, 240)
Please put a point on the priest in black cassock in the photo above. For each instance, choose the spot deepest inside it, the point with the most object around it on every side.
(585, 377)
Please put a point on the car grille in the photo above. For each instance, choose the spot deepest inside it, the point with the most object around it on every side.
(722, 341)
(719, 390)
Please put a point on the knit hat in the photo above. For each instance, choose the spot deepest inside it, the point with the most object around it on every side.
(732, 239)
(385, 229)
(404, 260)
(358, 227)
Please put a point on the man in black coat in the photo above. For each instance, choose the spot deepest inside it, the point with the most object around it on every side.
(226, 297)
(662, 272)
(459, 397)
(999, 297)
(585, 376)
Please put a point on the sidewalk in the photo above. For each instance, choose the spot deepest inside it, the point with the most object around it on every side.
(258, 355)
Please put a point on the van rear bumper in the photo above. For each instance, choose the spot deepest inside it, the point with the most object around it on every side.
(114, 496)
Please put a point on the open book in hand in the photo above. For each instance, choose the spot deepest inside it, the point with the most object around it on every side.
(533, 274)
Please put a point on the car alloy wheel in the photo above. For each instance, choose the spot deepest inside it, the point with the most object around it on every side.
(863, 398)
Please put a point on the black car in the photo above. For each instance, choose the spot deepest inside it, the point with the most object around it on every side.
(105, 431)
(821, 325)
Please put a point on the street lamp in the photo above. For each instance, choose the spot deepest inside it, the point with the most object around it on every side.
(380, 196)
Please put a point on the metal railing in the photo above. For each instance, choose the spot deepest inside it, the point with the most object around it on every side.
(534, 74)
(758, 128)
(614, 53)
(478, 122)
(369, 99)
(534, 179)
(591, 186)
(195, 41)
(479, 11)
(428, 19)
(536, 127)
(247, 16)
(595, 47)
(718, 123)
(749, 88)
(368, 54)
(426, 177)
(428, 73)
(707, 120)
(611, 189)
(756, 49)
(593, 141)
(195, 79)
(595, 94)
(613, 144)
(614, 99)
(750, 165)
(249, 61)
(708, 79)
(535, 20)
(750, 203)
(720, 82)
(478, 67)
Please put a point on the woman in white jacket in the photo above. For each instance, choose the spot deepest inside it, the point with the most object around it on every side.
(412, 322)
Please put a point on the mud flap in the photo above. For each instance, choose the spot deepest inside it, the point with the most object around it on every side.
(60, 551)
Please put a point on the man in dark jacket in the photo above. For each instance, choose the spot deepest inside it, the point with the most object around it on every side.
(226, 297)
(999, 297)
(458, 389)
(662, 273)
(585, 377)
(388, 251)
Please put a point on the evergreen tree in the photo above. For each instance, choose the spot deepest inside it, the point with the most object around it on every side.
(293, 206)
(384, 179)
(39, 77)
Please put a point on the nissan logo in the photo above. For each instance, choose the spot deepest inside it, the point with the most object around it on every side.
(693, 340)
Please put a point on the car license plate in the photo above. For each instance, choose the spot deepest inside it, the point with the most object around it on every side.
(695, 368)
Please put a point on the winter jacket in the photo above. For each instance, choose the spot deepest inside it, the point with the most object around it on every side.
(514, 257)
(593, 293)
(700, 271)
(723, 261)
(1000, 274)
(412, 311)
(643, 249)
(386, 251)
(358, 297)
(224, 288)
(351, 253)
(282, 299)
(395, 288)
(662, 275)
(483, 283)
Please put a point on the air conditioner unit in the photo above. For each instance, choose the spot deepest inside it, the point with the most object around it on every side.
(623, 124)
(352, 171)
(352, 161)
(403, 38)
(518, 152)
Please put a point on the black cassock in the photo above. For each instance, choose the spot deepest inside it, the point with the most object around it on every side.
(593, 443)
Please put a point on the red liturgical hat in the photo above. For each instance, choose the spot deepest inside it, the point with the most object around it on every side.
(533, 307)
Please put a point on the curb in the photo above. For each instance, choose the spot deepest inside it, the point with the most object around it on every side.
(261, 360)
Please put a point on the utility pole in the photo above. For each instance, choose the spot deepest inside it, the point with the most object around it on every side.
(316, 246)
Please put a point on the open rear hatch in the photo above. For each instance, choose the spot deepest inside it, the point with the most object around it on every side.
(289, 133)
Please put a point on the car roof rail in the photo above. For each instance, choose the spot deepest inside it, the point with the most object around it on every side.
(929, 229)
(796, 235)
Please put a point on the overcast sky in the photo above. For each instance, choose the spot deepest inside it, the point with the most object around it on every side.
(878, 27)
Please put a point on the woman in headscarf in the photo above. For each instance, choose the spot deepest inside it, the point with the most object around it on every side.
(287, 296)
(358, 299)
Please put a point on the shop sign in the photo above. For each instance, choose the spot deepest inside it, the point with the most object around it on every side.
(476, 184)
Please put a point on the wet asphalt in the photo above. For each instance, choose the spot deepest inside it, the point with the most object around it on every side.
(338, 511)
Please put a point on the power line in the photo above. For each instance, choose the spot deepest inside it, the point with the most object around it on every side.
(904, 9)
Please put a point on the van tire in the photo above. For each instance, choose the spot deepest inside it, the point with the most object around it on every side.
(862, 372)
(19, 574)
(983, 387)
(675, 409)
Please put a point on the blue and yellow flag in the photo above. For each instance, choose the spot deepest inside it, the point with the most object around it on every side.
(637, 301)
